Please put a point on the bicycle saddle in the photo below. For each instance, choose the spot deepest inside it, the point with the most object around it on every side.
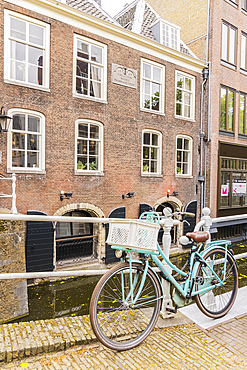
(198, 236)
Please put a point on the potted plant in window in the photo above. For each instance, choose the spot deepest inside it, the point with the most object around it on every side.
(92, 166)
(145, 168)
(80, 165)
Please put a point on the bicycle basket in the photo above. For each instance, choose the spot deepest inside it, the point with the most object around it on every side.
(133, 233)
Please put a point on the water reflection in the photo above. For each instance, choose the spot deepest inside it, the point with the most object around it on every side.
(71, 297)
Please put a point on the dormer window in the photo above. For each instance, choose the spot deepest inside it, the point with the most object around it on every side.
(167, 33)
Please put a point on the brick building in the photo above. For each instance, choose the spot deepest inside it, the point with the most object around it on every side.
(225, 23)
(99, 110)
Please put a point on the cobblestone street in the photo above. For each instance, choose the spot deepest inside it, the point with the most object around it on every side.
(177, 347)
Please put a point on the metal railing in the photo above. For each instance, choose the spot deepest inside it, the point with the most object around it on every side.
(32, 275)
(13, 195)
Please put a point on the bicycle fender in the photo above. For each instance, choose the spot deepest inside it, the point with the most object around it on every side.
(205, 251)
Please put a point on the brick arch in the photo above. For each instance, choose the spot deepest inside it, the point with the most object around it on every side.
(98, 229)
(90, 208)
(175, 202)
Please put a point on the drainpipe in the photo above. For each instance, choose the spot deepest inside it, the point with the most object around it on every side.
(209, 106)
(201, 177)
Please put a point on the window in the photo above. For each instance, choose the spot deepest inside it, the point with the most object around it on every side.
(227, 109)
(166, 33)
(89, 147)
(184, 156)
(90, 69)
(26, 141)
(243, 64)
(233, 182)
(27, 50)
(242, 114)
(244, 4)
(151, 152)
(171, 36)
(228, 47)
(185, 96)
(153, 87)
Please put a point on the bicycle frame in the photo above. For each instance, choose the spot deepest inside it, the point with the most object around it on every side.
(187, 289)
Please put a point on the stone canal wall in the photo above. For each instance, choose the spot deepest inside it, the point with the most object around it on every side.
(13, 293)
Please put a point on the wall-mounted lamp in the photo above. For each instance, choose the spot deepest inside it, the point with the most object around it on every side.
(175, 193)
(65, 195)
(128, 195)
(4, 121)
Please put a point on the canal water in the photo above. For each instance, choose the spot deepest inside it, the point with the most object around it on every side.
(71, 297)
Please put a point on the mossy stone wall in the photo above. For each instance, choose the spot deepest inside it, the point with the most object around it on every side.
(13, 293)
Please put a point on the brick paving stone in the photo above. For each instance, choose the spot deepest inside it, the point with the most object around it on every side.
(185, 347)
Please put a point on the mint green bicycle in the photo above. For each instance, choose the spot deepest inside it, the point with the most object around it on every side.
(127, 300)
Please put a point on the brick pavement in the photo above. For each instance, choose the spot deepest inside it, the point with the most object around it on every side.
(184, 347)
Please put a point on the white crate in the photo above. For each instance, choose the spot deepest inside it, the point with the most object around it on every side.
(133, 233)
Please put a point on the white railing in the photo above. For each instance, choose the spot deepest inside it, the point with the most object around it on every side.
(13, 195)
(30, 275)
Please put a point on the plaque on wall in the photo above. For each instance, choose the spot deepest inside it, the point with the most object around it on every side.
(124, 76)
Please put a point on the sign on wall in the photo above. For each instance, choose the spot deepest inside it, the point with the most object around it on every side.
(224, 190)
(238, 188)
(124, 76)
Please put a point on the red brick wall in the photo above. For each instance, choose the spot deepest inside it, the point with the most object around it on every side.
(123, 124)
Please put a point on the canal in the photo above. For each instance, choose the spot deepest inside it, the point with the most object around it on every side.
(71, 297)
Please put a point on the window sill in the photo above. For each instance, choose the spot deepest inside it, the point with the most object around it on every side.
(243, 71)
(30, 86)
(81, 96)
(244, 11)
(151, 175)
(88, 173)
(232, 3)
(242, 136)
(227, 133)
(185, 118)
(184, 176)
(152, 112)
(26, 171)
(228, 65)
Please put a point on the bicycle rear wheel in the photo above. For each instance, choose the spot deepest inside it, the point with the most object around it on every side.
(116, 323)
(218, 301)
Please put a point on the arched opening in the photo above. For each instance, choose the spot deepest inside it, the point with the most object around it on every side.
(74, 239)
(79, 242)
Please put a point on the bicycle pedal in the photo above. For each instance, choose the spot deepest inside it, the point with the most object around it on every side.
(171, 309)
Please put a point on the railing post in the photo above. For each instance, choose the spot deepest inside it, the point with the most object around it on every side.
(13, 209)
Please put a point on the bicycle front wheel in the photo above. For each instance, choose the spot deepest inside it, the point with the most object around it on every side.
(218, 301)
(116, 322)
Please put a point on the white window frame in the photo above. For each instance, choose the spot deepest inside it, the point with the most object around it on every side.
(101, 147)
(159, 156)
(41, 168)
(243, 63)
(46, 50)
(162, 88)
(103, 98)
(229, 43)
(192, 92)
(167, 31)
(189, 174)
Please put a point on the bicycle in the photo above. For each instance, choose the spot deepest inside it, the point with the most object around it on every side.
(127, 300)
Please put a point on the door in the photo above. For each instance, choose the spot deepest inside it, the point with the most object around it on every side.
(110, 253)
(39, 244)
(192, 208)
